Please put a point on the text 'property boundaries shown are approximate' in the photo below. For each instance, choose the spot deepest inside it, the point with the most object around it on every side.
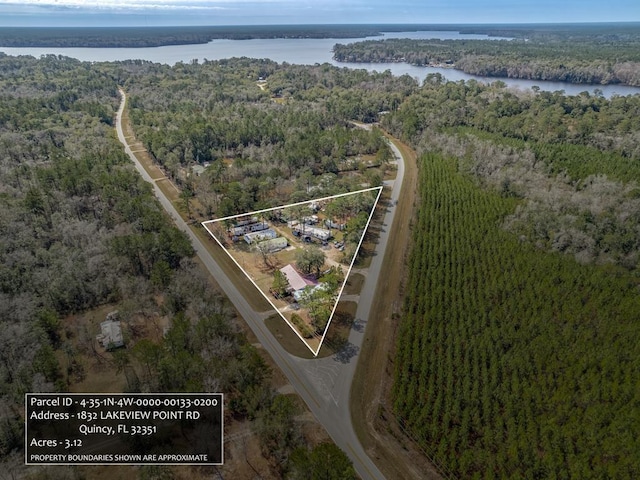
(154, 428)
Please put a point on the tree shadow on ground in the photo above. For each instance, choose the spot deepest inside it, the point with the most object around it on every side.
(359, 325)
(346, 352)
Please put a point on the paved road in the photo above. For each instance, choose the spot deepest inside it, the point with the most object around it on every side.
(324, 384)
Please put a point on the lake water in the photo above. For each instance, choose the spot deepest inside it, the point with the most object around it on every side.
(306, 52)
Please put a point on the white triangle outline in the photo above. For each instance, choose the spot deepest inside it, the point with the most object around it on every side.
(344, 283)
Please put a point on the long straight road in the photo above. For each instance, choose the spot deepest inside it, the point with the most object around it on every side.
(324, 384)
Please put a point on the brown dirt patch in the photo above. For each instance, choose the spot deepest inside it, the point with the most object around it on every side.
(354, 284)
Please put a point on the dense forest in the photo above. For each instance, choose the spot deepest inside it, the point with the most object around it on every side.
(590, 56)
(290, 141)
(133, 37)
(81, 234)
(516, 351)
(512, 363)
(526, 242)
(573, 160)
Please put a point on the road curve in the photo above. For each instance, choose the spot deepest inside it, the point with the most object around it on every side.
(324, 384)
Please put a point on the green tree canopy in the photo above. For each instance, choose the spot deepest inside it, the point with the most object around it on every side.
(310, 259)
(325, 462)
(280, 283)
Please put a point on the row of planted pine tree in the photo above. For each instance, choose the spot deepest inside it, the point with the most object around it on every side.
(512, 362)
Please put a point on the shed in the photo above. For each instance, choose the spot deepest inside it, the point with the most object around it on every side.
(245, 221)
(110, 335)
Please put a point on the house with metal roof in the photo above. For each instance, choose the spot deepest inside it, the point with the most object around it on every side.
(296, 280)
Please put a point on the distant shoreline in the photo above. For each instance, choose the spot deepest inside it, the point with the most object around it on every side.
(133, 37)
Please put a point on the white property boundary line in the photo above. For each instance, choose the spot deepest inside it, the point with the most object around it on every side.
(355, 254)
(295, 330)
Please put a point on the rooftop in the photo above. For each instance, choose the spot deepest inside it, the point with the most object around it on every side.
(295, 279)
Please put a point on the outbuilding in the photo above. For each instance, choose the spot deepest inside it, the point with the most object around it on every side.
(273, 244)
(110, 335)
(254, 237)
(319, 233)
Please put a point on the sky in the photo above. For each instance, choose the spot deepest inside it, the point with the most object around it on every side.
(62, 13)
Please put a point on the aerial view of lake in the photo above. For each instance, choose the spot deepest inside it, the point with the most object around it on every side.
(306, 52)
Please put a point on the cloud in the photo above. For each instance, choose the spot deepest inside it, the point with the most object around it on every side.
(184, 5)
(149, 4)
(198, 12)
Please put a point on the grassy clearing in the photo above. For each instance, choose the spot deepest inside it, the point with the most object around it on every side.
(354, 284)
(287, 338)
(337, 334)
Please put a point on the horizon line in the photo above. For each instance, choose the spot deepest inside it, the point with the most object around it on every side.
(370, 24)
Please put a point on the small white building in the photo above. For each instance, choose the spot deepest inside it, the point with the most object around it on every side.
(253, 237)
(308, 291)
(332, 224)
(240, 230)
(110, 335)
(199, 169)
(273, 244)
(307, 231)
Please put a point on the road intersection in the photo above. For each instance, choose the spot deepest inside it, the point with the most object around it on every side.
(323, 383)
